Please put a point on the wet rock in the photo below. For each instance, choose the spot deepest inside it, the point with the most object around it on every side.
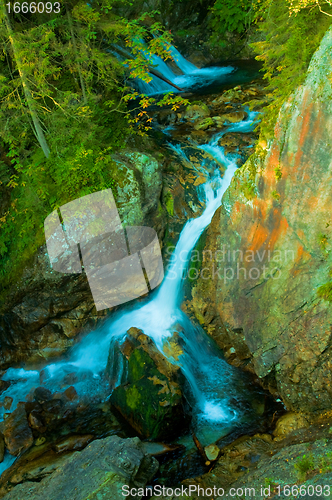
(42, 394)
(289, 423)
(167, 117)
(71, 394)
(36, 422)
(212, 451)
(204, 124)
(200, 136)
(17, 433)
(4, 384)
(234, 117)
(196, 111)
(99, 471)
(7, 403)
(148, 394)
(158, 449)
(2, 447)
(73, 443)
(231, 95)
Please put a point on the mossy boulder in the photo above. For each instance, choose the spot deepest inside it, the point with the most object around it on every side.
(146, 385)
(204, 124)
(196, 111)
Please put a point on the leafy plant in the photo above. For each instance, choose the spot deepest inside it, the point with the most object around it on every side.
(231, 16)
(287, 46)
(278, 173)
(304, 465)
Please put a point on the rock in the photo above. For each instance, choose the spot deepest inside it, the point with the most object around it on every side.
(2, 447)
(36, 422)
(98, 472)
(204, 124)
(200, 136)
(273, 236)
(158, 449)
(149, 395)
(42, 394)
(196, 111)
(301, 465)
(289, 423)
(212, 452)
(230, 95)
(73, 443)
(234, 117)
(4, 384)
(17, 433)
(7, 403)
(71, 394)
(167, 117)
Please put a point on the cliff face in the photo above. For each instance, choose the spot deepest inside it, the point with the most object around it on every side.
(269, 249)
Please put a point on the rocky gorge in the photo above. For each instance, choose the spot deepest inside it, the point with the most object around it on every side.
(258, 284)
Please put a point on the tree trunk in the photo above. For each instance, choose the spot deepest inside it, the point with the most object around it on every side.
(26, 87)
(70, 22)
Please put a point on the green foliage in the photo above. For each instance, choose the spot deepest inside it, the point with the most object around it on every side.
(79, 97)
(247, 173)
(325, 291)
(228, 15)
(278, 173)
(325, 464)
(304, 465)
(289, 42)
(275, 195)
(82, 166)
(323, 242)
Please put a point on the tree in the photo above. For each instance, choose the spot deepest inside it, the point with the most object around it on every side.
(18, 57)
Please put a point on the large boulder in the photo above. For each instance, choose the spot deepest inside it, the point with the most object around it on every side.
(17, 433)
(100, 471)
(147, 391)
(270, 246)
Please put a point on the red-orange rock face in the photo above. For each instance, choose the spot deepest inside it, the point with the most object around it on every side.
(275, 251)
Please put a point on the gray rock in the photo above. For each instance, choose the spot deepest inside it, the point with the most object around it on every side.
(98, 472)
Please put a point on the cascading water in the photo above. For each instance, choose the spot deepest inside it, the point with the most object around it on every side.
(214, 385)
(192, 77)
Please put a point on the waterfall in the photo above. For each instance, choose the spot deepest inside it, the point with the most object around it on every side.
(191, 78)
(156, 316)
(213, 383)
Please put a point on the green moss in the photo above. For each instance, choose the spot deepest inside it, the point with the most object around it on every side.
(133, 397)
(304, 465)
(169, 203)
(140, 362)
(247, 173)
(325, 292)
